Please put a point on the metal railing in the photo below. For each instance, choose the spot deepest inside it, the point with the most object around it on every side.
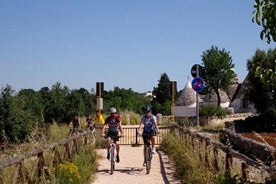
(131, 134)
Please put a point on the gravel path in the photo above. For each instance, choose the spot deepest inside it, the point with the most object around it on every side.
(131, 170)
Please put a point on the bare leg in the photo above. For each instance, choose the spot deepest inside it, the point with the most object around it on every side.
(153, 141)
(108, 144)
(117, 147)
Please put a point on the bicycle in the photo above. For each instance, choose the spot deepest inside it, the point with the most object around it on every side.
(90, 135)
(112, 153)
(148, 151)
(74, 131)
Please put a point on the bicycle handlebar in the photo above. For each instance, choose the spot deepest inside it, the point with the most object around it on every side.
(139, 133)
(105, 136)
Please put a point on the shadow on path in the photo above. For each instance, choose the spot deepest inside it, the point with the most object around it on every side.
(127, 170)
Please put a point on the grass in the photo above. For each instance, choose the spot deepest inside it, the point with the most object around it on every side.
(188, 166)
(83, 164)
(86, 162)
(190, 169)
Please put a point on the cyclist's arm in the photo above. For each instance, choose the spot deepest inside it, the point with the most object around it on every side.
(121, 128)
(103, 130)
(140, 128)
(156, 125)
(71, 124)
(79, 124)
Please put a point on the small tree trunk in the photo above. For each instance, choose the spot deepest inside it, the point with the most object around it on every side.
(218, 96)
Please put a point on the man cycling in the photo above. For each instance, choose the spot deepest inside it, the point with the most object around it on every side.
(75, 124)
(114, 124)
(150, 128)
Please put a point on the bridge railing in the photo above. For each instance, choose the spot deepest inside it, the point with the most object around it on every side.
(224, 158)
(40, 165)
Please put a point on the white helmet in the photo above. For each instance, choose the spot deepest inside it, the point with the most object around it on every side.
(113, 110)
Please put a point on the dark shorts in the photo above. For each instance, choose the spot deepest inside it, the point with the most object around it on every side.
(113, 135)
(147, 137)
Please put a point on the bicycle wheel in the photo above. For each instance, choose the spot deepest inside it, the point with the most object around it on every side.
(148, 159)
(112, 159)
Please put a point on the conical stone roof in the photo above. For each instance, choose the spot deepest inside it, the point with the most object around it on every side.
(212, 97)
(187, 96)
(231, 90)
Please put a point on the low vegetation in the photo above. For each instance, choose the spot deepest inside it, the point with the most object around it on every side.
(212, 110)
(189, 168)
(79, 169)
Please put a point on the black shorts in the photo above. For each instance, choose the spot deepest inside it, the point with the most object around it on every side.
(147, 137)
(113, 135)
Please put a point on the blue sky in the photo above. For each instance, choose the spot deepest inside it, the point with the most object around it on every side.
(123, 43)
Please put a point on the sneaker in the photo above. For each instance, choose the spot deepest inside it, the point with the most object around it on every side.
(153, 150)
(108, 156)
(118, 158)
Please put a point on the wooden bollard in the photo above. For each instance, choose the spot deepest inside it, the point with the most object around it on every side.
(207, 143)
(40, 165)
(193, 142)
(228, 162)
(216, 164)
(199, 149)
(67, 150)
(244, 171)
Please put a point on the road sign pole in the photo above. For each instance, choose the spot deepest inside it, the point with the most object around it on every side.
(197, 105)
(198, 85)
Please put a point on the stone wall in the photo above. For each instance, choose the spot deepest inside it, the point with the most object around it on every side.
(249, 147)
(215, 121)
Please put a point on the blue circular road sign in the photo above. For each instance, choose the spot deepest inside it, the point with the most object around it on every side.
(198, 84)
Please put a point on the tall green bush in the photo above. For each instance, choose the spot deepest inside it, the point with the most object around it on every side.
(210, 110)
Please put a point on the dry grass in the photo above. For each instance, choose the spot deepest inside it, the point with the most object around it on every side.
(189, 167)
(85, 160)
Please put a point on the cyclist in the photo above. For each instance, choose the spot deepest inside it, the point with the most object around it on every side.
(150, 128)
(114, 124)
(89, 122)
(75, 123)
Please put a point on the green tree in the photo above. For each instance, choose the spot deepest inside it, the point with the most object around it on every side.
(162, 94)
(17, 120)
(44, 94)
(123, 99)
(264, 15)
(261, 86)
(57, 106)
(218, 70)
(89, 101)
(33, 103)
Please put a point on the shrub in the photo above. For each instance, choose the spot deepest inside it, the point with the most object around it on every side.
(68, 173)
(86, 161)
(212, 110)
(188, 167)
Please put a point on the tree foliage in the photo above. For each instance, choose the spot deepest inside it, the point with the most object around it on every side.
(218, 70)
(124, 99)
(162, 93)
(22, 112)
(17, 118)
(264, 15)
(261, 86)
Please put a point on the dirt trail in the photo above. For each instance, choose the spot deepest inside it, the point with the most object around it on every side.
(131, 170)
